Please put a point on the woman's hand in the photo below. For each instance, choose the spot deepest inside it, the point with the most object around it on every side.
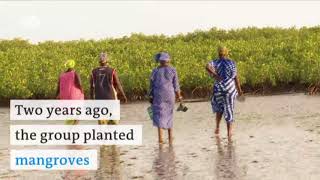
(125, 99)
(150, 99)
(179, 96)
(213, 73)
(240, 92)
(218, 78)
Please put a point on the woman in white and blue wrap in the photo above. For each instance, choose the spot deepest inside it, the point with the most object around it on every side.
(225, 89)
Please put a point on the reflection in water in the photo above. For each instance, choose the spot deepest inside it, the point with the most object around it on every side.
(226, 165)
(109, 163)
(75, 174)
(164, 165)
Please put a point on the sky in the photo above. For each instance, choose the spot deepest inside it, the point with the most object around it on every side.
(57, 20)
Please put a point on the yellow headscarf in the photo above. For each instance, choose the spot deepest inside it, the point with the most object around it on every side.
(70, 64)
(223, 51)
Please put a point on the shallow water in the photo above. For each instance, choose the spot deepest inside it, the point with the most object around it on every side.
(275, 137)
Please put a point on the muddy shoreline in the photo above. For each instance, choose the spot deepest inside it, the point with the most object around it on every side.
(190, 97)
(275, 137)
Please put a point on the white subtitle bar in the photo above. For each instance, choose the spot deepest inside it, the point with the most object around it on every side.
(64, 109)
(53, 159)
(76, 134)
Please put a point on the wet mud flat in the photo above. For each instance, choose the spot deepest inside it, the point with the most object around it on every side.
(275, 137)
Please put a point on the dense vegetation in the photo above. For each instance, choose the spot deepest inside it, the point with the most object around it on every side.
(266, 58)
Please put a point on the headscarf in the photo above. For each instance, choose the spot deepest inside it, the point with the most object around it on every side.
(162, 56)
(70, 63)
(223, 51)
(103, 57)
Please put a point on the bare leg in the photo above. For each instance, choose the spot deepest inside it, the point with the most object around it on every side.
(160, 134)
(170, 135)
(229, 128)
(102, 122)
(218, 120)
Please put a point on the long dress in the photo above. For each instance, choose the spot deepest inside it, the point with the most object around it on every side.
(224, 91)
(68, 88)
(163, 83)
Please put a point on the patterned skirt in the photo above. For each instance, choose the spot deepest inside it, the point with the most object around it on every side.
(223, 101)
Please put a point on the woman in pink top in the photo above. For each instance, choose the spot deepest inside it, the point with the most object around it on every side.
(69, 85)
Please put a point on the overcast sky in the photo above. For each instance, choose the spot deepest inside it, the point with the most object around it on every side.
(38, 21)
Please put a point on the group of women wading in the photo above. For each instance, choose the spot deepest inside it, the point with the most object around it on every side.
(164, 89)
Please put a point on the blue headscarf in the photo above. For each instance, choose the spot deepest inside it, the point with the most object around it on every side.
(162, 56)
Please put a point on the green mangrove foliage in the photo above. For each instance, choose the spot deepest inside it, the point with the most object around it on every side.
(267, 57)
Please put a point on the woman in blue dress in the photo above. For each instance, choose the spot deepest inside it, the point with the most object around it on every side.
(164, 87)
(225, 89)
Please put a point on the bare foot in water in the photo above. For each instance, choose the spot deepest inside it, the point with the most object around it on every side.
(171, 140)
(216, 131)
(161, 142)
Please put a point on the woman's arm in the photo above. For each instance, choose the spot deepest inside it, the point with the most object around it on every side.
(91, 87)
(238, 86)
(58, 89)
(118, 86)
(178, 95)
(176, 86)
(78, 82)
(211, 71)
(151, 90)
(237, 81)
